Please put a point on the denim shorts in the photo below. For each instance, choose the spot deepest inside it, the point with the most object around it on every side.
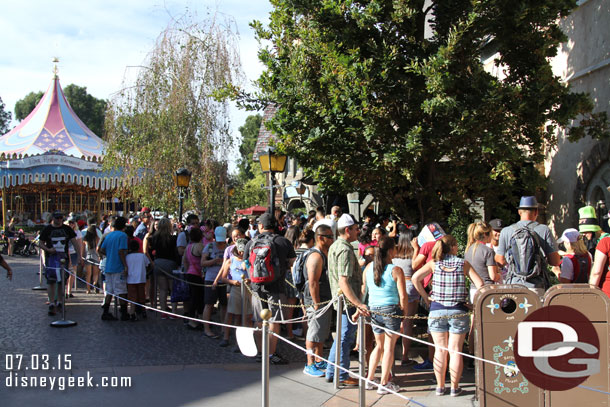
(386, 322)
(460, 325)
(412, 293)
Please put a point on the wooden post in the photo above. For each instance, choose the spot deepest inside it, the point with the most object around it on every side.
(99, 205)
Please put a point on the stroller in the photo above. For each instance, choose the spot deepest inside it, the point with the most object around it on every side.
(23, 246)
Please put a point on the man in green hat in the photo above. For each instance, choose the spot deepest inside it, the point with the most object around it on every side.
(588, 226)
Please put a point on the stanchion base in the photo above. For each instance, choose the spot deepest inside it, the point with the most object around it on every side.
(39, 288)
(62, 323)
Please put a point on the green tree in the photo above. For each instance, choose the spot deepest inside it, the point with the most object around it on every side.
(24, 106)
(171, 118)
(88, 108)
(249, 136)
(247, 183)
(5, 119)
(369, 102)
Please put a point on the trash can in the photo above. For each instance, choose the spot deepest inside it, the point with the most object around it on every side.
(498, 310)
(594, 304)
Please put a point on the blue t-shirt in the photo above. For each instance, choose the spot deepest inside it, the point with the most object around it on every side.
(238, 269)
(113, 242)
(387, 292)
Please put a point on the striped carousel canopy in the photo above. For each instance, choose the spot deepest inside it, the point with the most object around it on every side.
(52, 127)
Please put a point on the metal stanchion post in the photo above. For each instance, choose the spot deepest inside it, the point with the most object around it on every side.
(242, 287)
(338, 340)
(265, 315)
(40, 287)
(361, 362)
(63, 323)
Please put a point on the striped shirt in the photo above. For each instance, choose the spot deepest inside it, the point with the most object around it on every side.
(449, 285)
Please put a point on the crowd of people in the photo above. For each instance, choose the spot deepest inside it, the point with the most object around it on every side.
(297, 265)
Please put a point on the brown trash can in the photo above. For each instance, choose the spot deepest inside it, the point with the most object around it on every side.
(498, 310)
(595, 305)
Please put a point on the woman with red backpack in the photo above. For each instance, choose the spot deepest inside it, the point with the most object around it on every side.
(576, 263)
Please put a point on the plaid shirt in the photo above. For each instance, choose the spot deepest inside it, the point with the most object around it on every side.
(449, 287)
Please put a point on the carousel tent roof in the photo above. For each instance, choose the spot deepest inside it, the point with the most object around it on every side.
(52, 126)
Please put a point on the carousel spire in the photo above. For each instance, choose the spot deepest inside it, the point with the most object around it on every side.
(55, 70)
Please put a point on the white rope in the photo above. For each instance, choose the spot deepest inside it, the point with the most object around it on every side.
(163, 311)
(310, 352)
(304, 318)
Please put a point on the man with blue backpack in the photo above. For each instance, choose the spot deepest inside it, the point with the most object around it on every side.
(526, 247)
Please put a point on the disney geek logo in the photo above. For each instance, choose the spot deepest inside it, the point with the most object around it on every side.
(557, 348)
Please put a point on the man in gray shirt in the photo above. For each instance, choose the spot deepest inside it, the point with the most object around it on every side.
(528, 212)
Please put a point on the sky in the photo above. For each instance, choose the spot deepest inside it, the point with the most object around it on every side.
(98, 42)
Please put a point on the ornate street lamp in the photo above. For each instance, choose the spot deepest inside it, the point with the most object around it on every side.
(182, 178)
(272, 163)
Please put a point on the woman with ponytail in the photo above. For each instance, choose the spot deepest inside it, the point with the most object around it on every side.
(448, 321)
(480, 256)
(387, 295)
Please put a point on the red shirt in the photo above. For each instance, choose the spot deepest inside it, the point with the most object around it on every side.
(426, 250)
(604, 247)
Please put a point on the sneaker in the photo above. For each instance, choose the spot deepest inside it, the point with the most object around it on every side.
(390, 386)
(108, 317)
(321, 365)
(51, 310)
(424, 367)
(440, 391)
(407, 362)
(371, 386)
(456, 392)
(313, 371)
(259, 357)
(224, 343)
(58, 306)
(276, 359)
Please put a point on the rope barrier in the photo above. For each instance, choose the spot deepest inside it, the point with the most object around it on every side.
(422, 317)
(279, 304)
(163, 311)
(310, 352)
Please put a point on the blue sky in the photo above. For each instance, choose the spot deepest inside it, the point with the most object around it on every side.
(96, 41)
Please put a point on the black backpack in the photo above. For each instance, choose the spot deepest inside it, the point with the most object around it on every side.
(524, 257)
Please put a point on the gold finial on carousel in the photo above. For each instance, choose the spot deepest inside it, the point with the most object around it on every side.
(55, 70)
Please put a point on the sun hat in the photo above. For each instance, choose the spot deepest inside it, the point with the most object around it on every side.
(528, 202)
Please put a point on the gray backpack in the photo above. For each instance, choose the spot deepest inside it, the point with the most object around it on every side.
(524, 257)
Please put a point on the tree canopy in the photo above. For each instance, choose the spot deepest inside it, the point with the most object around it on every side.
(5, 119)
(371, 101)
(249, 178)
(171, 117)
(88, 108)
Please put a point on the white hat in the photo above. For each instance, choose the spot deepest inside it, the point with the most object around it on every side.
(326, 222)
(345, 220)
(569, 235)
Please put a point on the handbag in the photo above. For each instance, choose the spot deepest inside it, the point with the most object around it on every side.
(180, 287)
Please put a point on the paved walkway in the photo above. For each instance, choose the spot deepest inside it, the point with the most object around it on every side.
(167, 364)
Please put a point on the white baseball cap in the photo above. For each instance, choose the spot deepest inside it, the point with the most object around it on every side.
(326, 222)
(345, 220)
(569, 235)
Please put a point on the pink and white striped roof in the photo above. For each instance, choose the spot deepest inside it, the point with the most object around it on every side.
(52, 126)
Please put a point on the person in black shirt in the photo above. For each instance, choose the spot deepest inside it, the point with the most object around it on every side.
(54, 240)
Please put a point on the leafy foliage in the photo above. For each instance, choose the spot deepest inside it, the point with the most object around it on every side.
(249, 178)
(88, 108)
(5, 119)
(370, 102)
(170, 118)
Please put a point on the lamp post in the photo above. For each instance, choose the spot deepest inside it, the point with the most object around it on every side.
(183, 178)
(272, 163)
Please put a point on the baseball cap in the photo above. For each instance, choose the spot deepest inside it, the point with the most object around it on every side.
(326, 222)
(220, 234)
(267, 220)
(81, 223)
(145, 209)
(496, 224)
(58, 214)
(569, 235)
(345, 220)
